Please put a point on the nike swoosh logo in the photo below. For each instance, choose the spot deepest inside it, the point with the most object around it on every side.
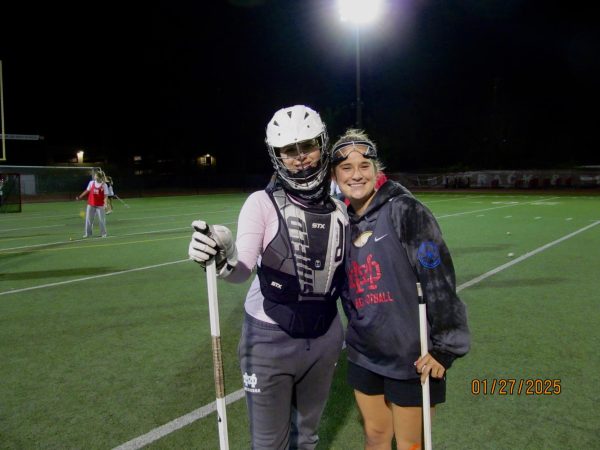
(378, 238)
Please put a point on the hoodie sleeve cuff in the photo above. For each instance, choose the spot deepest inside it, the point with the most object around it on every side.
(445, 359)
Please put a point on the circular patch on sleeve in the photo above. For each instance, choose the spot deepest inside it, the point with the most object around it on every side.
(429, 255)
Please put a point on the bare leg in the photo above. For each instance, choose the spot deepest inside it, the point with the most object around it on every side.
(408, 426)
(377, 421)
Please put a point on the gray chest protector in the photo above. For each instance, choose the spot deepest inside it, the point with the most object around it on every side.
(301, 269)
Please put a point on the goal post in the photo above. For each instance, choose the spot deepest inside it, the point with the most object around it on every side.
(50, 183)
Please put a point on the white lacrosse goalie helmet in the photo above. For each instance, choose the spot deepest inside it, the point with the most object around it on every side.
(291, 126)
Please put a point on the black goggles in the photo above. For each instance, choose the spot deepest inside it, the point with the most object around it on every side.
(340, 152)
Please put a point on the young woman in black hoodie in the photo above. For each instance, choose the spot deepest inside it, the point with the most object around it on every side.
(394, 242)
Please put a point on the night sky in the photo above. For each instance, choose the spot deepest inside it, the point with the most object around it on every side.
(450, 84)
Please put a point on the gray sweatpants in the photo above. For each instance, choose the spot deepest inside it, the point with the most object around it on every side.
(287, 382)
(90, 214)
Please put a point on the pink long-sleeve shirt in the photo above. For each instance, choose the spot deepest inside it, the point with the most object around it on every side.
(257, 226)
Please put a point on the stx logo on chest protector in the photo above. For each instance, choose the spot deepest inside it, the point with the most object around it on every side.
(367, 274)
(299, 237)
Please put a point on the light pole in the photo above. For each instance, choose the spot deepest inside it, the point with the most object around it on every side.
(358, 99)
(358, 12)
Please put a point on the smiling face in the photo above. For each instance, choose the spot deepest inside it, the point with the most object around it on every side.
(356, 176)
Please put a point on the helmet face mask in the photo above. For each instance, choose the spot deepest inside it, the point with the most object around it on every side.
(294, 134)
(295, 151)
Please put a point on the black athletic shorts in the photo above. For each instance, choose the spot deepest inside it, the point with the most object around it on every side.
(399, 392)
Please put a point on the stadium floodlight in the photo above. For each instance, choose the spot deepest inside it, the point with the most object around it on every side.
(359, 12)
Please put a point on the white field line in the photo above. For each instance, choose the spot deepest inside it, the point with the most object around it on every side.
(33, 228)
(478, 196)
(489, 209)
(157, 433)
(178, 423)
(76, 280)
(93, 277)
(79, 240)
(524, 257)
(129, 219)
(448, 199)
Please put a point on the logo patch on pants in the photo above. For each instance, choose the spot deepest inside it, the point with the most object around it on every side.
(250, 382)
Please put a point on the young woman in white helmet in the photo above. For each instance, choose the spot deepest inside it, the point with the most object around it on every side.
(292, 233)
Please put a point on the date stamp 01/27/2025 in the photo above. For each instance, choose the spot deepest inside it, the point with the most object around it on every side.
(515, 386)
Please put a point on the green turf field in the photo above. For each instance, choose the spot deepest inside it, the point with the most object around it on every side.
(106, 342)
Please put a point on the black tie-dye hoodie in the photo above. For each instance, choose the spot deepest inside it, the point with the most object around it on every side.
(394, 244)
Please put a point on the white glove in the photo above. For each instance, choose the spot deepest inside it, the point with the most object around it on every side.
(214, 241)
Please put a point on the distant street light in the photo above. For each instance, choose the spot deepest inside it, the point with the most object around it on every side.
(359, 12)
(80, 156)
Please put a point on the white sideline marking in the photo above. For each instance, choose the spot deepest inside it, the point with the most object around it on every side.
(450, 199)
(523, 257)
(91, 239)
(95, 239)
(489, 209)
(202, 412)
(32, 228)
(130, 219)
(178, 423)
(93, 277)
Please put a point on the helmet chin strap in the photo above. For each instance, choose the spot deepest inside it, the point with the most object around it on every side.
(316, 201)
(303, 173)
(314, 196)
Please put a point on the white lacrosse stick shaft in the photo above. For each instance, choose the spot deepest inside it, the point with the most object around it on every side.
(213, 310)
(425, 386)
